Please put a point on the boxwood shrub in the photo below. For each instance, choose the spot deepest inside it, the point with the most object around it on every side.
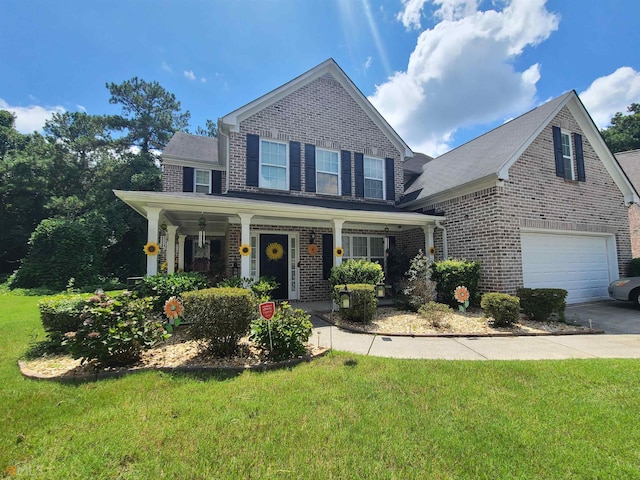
(61, 313)
(356, 272)
(540, 303)
(162, 287)
(363, 302)
(503, 308)
(219, 317)
(449, 274)
(290, 330)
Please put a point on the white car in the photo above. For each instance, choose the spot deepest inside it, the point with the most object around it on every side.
(626, 289)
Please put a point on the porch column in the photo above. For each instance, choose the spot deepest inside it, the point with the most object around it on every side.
(153, 216)
(337, 239)
(171, 248)
(245, 239)
(181, 239)
(428, 240)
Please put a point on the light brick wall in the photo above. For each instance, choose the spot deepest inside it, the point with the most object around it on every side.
(634, 226)
(321, 113)
(172, 178)
(486, 225)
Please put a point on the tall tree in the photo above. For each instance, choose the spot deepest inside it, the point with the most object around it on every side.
(151, 115)
(209, 130)
(624, 132)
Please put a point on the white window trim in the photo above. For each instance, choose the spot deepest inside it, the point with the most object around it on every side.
(195, 180)
(384, 179)
(570, 157)
(286, 167)
(329, 173)
(368, 237)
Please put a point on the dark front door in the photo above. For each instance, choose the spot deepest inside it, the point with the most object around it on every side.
(274, 254)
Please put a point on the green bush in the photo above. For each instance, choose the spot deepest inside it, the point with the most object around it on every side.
(290, 330)
(163, 287)
(363, 302)
(60, 249)
(61, 313)
(436, 313)
(420, 289)
(356, 272)
(115, 330)
(449, 274)
(540, 303)
(262, 288)
(220, 317)
(634, 267)
(503, 308)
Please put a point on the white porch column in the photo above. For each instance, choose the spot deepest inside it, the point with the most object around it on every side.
(153, 216)
(171, 248)
(181, 239)
(428, 240)
(337, 239)
(245, 238)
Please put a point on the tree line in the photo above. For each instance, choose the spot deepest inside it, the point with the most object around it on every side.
(58, 215)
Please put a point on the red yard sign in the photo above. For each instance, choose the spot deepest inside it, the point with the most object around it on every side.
(267, 309)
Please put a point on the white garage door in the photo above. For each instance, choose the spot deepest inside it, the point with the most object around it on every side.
(583, 265)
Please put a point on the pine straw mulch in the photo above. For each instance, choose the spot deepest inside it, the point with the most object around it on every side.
(177, 352)
(388, 320)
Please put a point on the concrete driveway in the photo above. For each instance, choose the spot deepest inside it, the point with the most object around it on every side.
(609, 315)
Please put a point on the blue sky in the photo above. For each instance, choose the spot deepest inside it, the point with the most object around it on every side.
(441, 72)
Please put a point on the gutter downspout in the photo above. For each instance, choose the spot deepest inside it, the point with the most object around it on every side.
(445, 250)
(226, 153)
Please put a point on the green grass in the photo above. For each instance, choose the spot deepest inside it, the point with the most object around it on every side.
(343, 417)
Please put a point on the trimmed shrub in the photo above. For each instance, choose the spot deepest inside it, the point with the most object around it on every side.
(420, 289)
(290, 330)
(436, 313)
(449, 274)
(220, 317)
(540, 303)
(363, 302)
(356, 272)
(262, 288)
(163, 287)
(61, 313)
(115, 330)
(634, 267)
(503, 308)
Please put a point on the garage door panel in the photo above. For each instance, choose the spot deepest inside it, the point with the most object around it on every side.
(577, 263)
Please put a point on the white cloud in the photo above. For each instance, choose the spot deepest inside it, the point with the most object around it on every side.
(461, 71)
(189, 74)
(31, 118)
(82, 108)
(610, 94)
(411, 14)
(165, 66)
(203, 79)
(367, 63)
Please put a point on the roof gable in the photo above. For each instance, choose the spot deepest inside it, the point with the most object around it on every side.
(485, 160)
(231, 121)
(630, 163)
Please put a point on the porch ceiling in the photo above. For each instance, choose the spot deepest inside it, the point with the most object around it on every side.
(185, 209)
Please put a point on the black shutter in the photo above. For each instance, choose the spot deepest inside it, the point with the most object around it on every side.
(309, 167)
(577, 140)
(188, 253)
(327, 255)
(187, 179)
(557, 149)
(359, 174)
(253, 159)
(345, 170)
(294, 166)
(390, 178)
(392, 241)
(216, 181)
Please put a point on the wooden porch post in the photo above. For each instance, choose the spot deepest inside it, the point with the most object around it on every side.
(181, 239)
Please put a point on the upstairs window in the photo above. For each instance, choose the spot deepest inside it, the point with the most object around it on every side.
(373, 178)
(273, 165)
(327, 172)
(567, 156)
(202, 181)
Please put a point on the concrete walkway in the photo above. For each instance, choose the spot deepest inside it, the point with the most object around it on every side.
(554, 347)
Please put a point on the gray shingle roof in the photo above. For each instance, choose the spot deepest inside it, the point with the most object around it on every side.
(630, 163)
(486, 155)
(184, 146)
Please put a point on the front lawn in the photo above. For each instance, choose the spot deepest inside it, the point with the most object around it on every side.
(342, 416)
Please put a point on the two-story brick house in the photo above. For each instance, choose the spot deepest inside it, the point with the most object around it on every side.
(311, 170)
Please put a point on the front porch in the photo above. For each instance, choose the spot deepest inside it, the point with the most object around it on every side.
(295, 240)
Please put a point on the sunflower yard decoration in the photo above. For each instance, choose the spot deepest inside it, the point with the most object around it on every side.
(339, 251)
(432, 251)
(461, 294)
(173, 309)
(151, 248)
(312, 249)
(274, 251)
(245, 250)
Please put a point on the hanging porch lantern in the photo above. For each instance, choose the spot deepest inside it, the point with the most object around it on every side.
(202, 223)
